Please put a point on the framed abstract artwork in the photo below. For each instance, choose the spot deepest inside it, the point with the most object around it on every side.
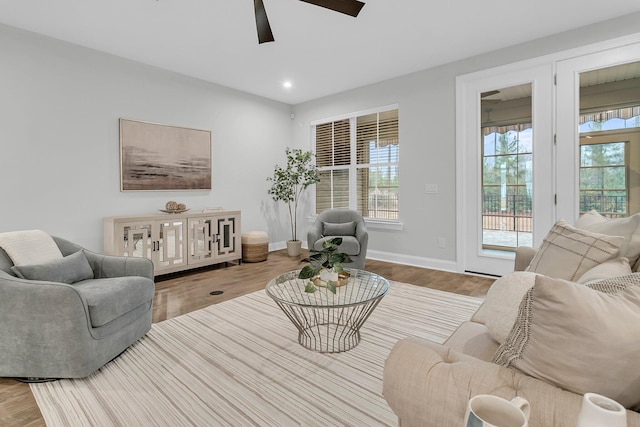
(155, 157)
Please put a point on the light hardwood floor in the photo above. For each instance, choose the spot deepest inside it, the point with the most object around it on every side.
(178, 294)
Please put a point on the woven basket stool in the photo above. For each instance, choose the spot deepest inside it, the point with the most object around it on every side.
(255, 246)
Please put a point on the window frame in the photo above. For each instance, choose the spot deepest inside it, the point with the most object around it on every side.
(389, 224)
(631, 138)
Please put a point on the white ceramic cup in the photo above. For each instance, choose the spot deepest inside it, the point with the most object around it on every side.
(485, 410)
(599, 410)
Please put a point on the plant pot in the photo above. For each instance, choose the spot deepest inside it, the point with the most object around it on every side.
(294, 247)
(343, 279)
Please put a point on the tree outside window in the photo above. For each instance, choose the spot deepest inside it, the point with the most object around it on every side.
(603, 179)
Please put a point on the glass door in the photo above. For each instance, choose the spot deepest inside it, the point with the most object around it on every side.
(599, 133)
(610, 141)
(507, 168)
(504, 142)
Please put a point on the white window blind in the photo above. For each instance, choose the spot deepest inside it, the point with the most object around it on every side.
(357, 159)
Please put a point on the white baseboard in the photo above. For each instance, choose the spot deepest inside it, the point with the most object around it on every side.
(415, 261)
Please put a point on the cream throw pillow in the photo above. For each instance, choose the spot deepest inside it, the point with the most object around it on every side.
(568, 252)
(579, 338)
(500, 307)
(628, 227)
(29, 247)
(606, 270)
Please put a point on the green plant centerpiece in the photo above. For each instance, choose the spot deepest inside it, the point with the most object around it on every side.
(325, 267)
(289, 183)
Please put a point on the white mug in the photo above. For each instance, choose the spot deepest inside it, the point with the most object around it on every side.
(485, 410)
(599, 410)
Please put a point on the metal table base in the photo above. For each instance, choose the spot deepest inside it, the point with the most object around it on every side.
(326, 322)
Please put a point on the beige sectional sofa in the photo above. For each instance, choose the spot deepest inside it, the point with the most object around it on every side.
(428, 384)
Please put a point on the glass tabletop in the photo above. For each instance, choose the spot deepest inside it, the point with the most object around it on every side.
(361, 287)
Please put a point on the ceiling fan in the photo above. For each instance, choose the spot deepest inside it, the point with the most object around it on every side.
(348, 7)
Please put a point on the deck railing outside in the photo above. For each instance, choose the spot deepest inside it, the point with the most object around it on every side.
(513, 213)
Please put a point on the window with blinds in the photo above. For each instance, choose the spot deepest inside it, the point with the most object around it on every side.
(357, 159)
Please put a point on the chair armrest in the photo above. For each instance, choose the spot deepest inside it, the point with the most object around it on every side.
(524, 255)
(314, 233)
(427, 384)
(119, 266)
(362, 235)
(40, 313)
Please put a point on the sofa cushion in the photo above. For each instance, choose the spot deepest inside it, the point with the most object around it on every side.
(29, 247)
(70, 269)
(339, 229)
(568, 252)
(579, 338)
(473, 339)
(608, 269)
(500, 307)
(628, 227)
(349, 246)
(110, 298)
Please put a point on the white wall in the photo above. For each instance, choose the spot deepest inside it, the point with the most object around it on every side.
(59, 158)
(59, 138)
(427, 139)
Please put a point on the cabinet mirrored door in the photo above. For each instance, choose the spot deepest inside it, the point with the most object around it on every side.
(176, 242)
(227, 243)
(215, 237)
(201, 240)
(163, 242)
(170, 251)
(136, 241)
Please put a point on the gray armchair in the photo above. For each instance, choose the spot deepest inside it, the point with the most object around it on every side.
(344, 223)
(57, 330)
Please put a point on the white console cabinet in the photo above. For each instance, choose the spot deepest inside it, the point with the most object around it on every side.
(176, 242)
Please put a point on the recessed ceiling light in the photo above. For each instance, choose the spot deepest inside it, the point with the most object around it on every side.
(287, 84)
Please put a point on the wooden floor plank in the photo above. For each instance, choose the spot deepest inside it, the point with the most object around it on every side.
(182, 293)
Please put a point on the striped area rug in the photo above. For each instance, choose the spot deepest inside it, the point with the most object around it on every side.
(238, 363)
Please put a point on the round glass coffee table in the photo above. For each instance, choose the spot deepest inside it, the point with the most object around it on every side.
(328, 322)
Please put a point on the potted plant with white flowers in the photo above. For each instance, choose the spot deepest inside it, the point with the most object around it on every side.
(289, 183)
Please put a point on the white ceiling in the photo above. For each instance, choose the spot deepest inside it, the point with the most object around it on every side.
(320, 51)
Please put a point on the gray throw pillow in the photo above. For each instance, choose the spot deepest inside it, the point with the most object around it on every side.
(339, 229)
(70, 269)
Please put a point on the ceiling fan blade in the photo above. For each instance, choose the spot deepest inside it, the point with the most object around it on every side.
(348, 7)
(262, 23)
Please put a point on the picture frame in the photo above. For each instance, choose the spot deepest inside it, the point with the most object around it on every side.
(156, 157)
